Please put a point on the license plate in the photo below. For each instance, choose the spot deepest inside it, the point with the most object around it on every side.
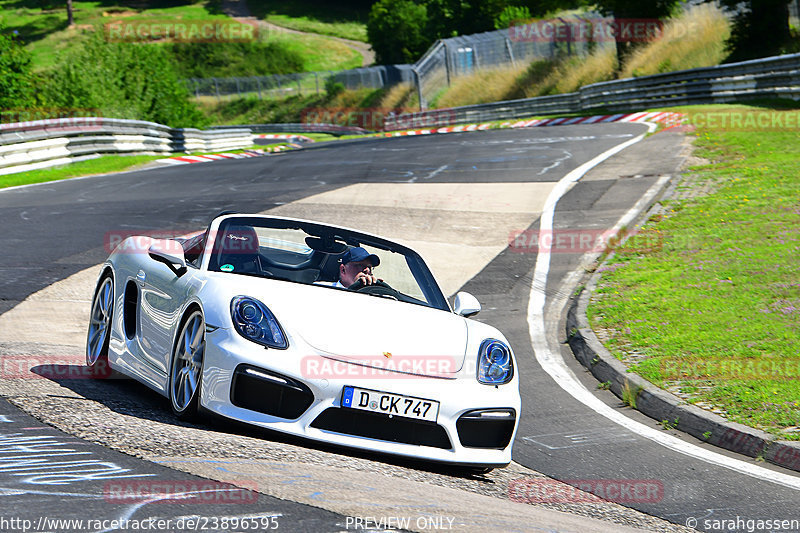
(390, 404)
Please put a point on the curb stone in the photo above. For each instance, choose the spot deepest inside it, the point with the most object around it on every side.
(667, 118)
(661, 405)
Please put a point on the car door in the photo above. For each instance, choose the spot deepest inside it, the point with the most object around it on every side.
(164, 294)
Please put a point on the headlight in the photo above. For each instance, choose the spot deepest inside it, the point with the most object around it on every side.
(254, 321)
(495, 366)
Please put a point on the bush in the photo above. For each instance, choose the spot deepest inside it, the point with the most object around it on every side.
(333, 88)
(122, 80)
(230, 59)
(15, 73)
(510, 15)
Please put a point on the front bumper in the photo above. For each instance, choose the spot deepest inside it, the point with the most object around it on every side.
(274, 389)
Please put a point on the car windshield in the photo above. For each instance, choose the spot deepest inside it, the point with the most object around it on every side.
(311, 253)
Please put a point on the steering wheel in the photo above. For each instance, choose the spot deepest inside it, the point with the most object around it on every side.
(380, 288)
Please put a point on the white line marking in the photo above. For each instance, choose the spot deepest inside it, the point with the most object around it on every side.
(554, 365)
(431, 175)
(556, 163)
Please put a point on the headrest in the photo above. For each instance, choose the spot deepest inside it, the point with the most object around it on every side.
(241, 240)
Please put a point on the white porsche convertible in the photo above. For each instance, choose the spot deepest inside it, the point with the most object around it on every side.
(249, 320)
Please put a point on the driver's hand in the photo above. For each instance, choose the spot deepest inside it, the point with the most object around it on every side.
(368, 279)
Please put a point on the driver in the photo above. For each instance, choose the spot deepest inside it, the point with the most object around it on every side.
(357, 264)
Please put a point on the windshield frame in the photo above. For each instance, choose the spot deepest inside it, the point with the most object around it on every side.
(417, 266)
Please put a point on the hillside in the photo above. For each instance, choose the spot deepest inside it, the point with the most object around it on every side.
(693, 39)
(42, 26)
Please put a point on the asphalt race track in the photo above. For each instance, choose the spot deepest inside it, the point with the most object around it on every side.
(456, 197)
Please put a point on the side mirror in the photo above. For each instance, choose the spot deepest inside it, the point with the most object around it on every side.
(466, 304)
(172, 256)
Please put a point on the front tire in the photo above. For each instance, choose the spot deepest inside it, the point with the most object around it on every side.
(99, 334)
(187, 366)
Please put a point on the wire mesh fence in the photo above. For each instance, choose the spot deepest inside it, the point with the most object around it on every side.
(283, 85)
(519, 45)
(276, 86)
(446, 60)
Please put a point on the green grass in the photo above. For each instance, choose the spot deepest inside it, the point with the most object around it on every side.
(287, 110)
(721, 296)
(45, 32)
(101, 165)
(321, 53)
(325, 18)
(345, 30)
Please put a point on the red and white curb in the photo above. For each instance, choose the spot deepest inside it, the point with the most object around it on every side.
(186, 159)
(668, 118)
(291, 144)
(286, 137)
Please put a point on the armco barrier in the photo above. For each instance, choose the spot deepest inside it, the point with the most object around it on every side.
(333, 129)
(771, 77)
(43, 143)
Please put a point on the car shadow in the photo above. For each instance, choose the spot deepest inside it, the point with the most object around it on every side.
(127, 396)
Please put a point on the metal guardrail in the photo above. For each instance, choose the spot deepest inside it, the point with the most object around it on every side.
(43, 143)
(333, 129)
(772, 77)
(302, 83)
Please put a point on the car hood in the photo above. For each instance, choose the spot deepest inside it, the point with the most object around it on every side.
(368, 330)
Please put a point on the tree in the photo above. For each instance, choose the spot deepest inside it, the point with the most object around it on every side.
(510, 15)
(395, 30)
(760, 28)
(542, 8)
(448, 18)
(627, 10)
(70, 18)
(15, 73)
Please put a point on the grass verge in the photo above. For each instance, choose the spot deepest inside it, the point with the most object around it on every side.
(45, 31)
(713, 313)
(320, 53)
(324, 18)
(696, 38)
(101, 165)
(692, 40)
(44, 28)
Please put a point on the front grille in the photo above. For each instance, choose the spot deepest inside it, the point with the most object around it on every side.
(272, 394)
(379, 426)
